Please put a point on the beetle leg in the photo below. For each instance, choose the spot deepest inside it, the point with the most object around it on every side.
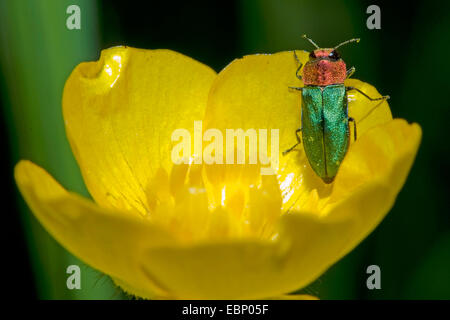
(296, 88)
(364, 94)
(285, 152)
(299, 140)
(354, 126)
(350, 72)
(299, 66)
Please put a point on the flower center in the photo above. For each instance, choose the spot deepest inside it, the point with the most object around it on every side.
(192, 208)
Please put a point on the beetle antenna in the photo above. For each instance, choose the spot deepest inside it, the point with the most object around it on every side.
(345, 42)
(312, 42)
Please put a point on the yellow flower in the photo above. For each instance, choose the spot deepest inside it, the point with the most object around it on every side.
(213, 231)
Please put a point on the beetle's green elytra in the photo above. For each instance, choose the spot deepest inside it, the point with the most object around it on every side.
(325, 121)
(325, 130)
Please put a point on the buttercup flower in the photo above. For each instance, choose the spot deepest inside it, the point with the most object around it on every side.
(210, 231)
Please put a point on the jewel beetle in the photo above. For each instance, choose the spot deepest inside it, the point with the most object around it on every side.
(325, 122)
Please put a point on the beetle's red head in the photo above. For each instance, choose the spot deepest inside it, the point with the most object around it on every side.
(325, 66)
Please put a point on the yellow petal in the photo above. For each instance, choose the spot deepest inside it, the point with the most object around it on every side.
(367, 114)
(144, 260)
(120, 112)
(307, 243)
(110, 241)
(372, 174)
(252, 92)
(250, 269)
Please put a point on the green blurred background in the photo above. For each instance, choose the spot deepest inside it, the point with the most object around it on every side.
(407, 59)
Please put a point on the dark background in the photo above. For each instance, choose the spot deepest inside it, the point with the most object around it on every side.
(407, 59)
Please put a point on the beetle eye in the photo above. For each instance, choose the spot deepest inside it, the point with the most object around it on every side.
(312, 55)
(334, 55)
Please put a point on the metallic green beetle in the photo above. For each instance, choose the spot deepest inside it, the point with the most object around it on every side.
(325, 121)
